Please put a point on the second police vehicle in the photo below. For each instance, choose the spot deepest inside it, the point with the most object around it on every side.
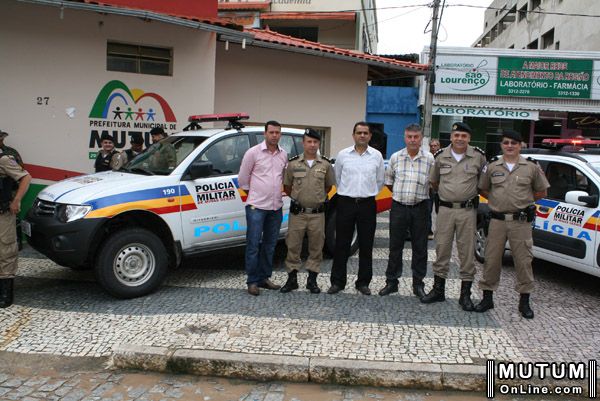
(179, 198)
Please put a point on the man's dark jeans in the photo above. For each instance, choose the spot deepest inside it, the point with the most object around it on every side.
(361, 214)
(261, 238)
(404, 219)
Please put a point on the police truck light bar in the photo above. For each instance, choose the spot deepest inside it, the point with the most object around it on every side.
(202, 118)
(232, 118)
(576, 142)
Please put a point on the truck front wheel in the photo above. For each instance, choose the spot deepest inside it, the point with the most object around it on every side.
(131, 263)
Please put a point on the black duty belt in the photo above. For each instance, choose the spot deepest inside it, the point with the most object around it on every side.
(319, 209)
(458, 205)
(516, 216)
(358, 200)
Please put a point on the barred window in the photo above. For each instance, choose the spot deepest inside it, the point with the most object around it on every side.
(139, 59)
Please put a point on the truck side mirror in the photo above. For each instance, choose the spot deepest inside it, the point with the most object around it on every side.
(581, 198)
(200, 169)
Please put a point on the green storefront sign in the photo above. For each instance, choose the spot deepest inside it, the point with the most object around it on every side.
(544, 77)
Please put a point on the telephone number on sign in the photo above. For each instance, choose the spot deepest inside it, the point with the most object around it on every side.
(519, 91)
(569, 93)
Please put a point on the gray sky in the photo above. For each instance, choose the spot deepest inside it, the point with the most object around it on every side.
(401, 29)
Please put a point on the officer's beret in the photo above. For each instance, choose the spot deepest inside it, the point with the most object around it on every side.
(137, 138)
(462, 127)
(3, 134)
(106, 137)
(157, 131)
(510, 134)
(312, 133)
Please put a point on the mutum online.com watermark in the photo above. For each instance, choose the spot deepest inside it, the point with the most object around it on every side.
(541, 378)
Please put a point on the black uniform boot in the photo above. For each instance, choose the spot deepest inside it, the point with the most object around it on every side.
(311, 283)
(486, 303)
(524, 307)
(437, 293)
(465, 296)
(291, 283)
(6, 292)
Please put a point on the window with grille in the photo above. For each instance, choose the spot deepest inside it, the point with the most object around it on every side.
(139, 59)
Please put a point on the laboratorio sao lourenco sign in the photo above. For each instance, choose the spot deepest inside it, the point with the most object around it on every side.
(518, 76)
(121, 111)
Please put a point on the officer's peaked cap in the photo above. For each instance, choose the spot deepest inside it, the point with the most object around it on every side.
(512, 135)
(312, 133)
(137, 138)
(106, 137)
(157, 131)
(3, 134)
(462, 127)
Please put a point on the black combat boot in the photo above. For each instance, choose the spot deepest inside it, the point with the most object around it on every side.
(418, 287)
(311, 283)
(291, 283)
(524, 308)
(486, 303)
(6, 292)
(465, 296)
(437, 293)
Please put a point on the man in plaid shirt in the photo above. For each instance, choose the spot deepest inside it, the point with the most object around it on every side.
(408, 179)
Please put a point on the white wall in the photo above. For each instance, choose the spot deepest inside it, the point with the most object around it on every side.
(64, 59)
(292, 89)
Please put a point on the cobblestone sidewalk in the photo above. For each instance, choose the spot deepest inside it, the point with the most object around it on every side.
(204, 305)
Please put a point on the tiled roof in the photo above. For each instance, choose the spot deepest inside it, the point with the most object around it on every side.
(350, 16)
(267, 35)
(244, 5)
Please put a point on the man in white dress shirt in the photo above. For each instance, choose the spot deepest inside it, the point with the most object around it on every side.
(359, 173)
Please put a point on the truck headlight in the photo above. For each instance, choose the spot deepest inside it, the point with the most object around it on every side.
(67, 213)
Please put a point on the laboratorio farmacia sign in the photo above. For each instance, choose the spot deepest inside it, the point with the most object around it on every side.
(518, 76)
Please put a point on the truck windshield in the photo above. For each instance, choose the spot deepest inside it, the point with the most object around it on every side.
(163, 157)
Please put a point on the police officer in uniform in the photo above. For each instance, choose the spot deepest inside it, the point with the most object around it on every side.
(454, 176)
(11, 172)
(7, 150)
(137, 147)
(164, 158)
(107, 157)
(511, 184)
(307, 180)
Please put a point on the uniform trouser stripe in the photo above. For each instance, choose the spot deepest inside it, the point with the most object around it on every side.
(489, 372)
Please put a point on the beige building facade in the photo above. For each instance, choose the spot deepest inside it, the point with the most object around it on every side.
(541, 24)
(326, 94)
(348, 24)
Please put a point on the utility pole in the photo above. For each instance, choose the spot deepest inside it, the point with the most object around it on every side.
(430, 78)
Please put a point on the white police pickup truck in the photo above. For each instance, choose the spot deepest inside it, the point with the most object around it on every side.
(179, 198)
(567, 225)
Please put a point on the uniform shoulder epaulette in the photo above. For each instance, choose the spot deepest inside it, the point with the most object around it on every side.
(478, 149)
(325, 158)
(436, 154)
(293, 158)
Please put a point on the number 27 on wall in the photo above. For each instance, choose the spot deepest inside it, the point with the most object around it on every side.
(43, 101)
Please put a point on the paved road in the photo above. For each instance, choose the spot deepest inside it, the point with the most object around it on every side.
(204, 305)
(48, 378)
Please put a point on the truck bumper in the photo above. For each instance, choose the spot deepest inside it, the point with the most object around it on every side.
(67, 244)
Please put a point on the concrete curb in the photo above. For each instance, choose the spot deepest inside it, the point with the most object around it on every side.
(299, 369)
